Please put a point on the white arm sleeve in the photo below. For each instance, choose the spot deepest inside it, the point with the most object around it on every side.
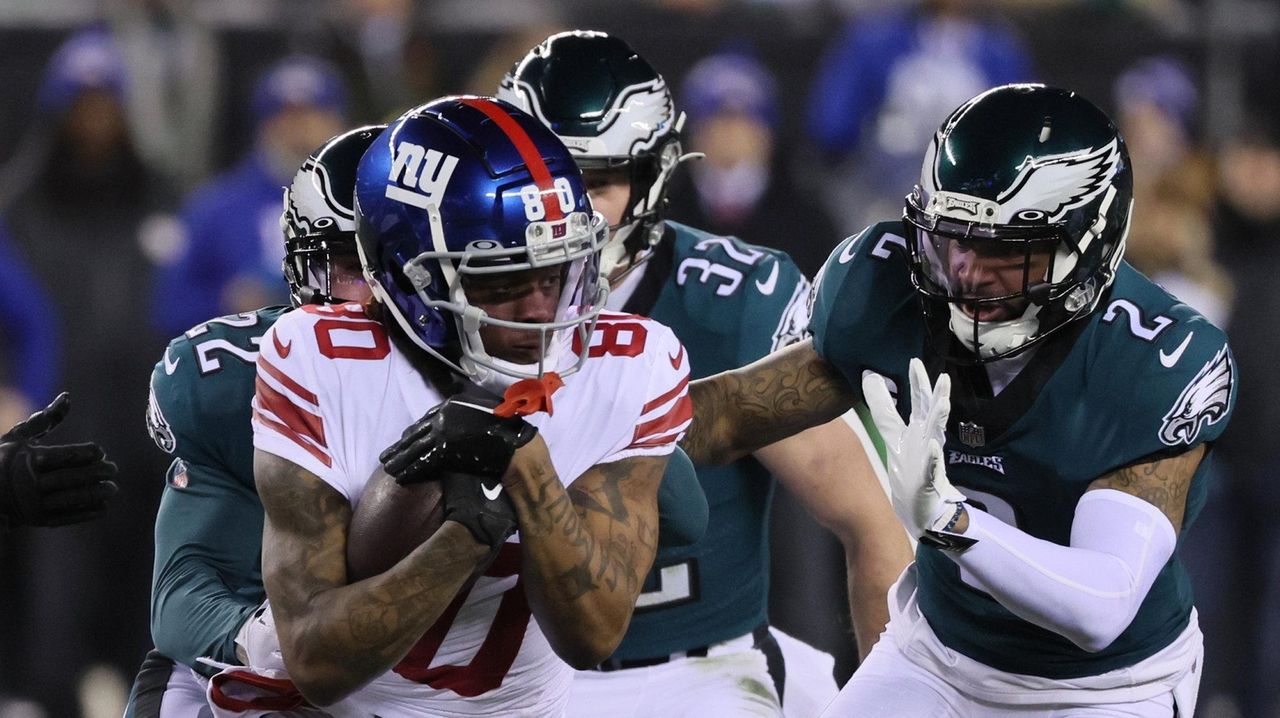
(1089, 591)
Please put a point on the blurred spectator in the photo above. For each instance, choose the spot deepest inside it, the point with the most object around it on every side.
(76, 194)
(29, 354)
(231, 256)
(173, 63)
(1238, 572)
(741, 188)
(387, 60)
(1171, 238)
(887, 82)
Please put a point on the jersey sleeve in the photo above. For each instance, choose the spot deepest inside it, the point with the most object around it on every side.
(207, 578)
(1180, 390)
(666, 409)
(682, 504)
(824, 319)
(775, 310)
(293, 415)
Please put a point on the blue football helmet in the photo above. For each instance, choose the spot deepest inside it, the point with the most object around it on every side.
(467, 186)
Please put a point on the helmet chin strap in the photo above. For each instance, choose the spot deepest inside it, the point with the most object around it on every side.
(995, 338)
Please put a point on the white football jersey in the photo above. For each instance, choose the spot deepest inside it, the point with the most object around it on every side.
(333, 391)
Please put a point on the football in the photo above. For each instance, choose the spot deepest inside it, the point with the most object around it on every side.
(389, 522)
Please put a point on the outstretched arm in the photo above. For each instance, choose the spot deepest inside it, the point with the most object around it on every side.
(337, 637)
(586, 548)
(1124, 531)
(827, 470)
(736, 412)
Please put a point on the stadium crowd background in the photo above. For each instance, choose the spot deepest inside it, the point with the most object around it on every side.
(143, 145)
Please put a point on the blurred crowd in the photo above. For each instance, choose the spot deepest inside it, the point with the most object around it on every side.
(144, 145)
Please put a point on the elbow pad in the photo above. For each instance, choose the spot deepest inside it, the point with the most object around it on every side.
(1087, 592)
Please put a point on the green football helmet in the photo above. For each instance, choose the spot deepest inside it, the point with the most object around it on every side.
(318, 221)
(612, 110)
(1019, 220)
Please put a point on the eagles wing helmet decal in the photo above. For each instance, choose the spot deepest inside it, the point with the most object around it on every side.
(1203, 402)
(1076, 177)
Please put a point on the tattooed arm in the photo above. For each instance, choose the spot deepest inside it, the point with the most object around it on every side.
(1123, 533)
(736, 412)
(586, 549)
(1163, 484)
(337, 637)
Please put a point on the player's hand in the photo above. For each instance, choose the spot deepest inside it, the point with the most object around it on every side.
(922, 495)
(51, 485)
(481, 504)
(460, 435)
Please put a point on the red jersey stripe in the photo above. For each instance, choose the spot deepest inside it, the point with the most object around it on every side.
(301, 421)
(289, 383)
(292, 435)
(666, 397)
(527, 149)
(679, 414)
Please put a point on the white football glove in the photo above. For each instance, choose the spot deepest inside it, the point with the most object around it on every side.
(922, 495)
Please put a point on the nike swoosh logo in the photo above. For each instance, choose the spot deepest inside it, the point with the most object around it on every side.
(491, 493)
(677, 358)
(1168, 360)
(282, 349)
(850, 250)
(170, 365)
(767, 286)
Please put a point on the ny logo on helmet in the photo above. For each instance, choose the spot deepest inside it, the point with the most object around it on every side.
(417, 168)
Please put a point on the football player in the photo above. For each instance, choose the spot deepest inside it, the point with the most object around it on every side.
(208, 581)
(481, 249)
(1059, 410)
(208, 577)
(51, 484)
(700, 642)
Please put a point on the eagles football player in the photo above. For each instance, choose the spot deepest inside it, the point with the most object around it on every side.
(1051, 487)
(702, 621)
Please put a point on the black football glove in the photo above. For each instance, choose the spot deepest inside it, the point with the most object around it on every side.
(461, 435)
(481, 504)
(51, 485)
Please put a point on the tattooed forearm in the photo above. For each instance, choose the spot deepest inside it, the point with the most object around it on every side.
(336, 637)
(739, 411)
(1163, 483)
(587, 548)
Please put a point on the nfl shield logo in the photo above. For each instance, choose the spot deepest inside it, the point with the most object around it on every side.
(972, 435)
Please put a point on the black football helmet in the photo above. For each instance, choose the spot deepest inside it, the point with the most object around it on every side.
(319, 221)
(612, 110)
(1036, 182)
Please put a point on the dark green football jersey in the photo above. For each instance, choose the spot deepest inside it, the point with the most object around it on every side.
(1143, 377)
(208, 573)
(730, 303)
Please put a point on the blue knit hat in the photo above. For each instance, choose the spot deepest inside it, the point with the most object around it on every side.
(298, 80)
(730, 82)
(89, 60)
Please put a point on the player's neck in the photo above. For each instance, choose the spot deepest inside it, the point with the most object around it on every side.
(1001, 372)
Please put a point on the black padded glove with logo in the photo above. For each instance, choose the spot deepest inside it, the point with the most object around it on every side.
(51, 485)
(461, 435)
(481, 504)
